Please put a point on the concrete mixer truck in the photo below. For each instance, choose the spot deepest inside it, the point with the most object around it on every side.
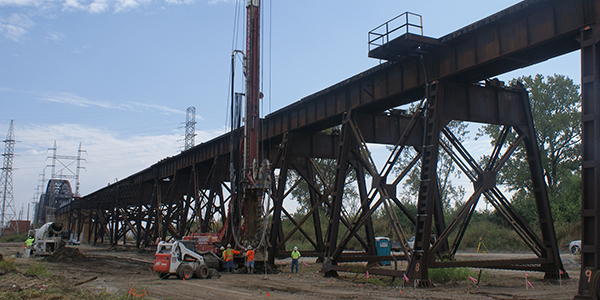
(47, 239)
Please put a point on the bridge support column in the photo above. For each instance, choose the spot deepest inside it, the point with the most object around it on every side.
(589, 284)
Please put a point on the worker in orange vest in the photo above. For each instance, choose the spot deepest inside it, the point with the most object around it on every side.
(228, 257)
(250, 259)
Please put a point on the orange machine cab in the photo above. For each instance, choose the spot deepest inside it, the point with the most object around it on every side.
(162, 262)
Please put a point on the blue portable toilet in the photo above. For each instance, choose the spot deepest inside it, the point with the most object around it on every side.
(384, 248)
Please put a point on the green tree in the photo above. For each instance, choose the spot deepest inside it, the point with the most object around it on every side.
(555, 104)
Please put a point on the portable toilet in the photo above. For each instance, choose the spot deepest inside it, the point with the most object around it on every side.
(384, 248)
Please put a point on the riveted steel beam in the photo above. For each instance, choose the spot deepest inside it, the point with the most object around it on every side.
(589, 285)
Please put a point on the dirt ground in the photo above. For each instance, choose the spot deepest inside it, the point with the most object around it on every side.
(104, 273)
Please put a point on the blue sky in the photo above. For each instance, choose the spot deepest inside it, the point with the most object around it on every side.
(117, 75)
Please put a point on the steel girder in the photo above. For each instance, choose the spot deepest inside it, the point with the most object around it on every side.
(297, 152)
(501, 106)
(589, 285)
(484, 180)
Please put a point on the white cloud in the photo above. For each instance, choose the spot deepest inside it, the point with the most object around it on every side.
(16, 26)
(107, 156)
(178, 2)
(72, 5)
(75, 100)
(81, 49)
(124, 5)
(20, 2)
(149, 106)
(220, 1)
(98, 6)
(72, 99)
(54, 36)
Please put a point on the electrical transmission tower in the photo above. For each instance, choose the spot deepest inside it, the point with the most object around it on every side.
(6, 182)
(190, 127)
(66, 165)
(79, 167)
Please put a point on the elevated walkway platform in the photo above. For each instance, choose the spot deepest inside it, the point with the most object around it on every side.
(400, 38)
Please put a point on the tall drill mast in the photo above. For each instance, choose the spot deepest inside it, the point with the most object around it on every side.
(6, 183)
(247, 200)
(251, 158)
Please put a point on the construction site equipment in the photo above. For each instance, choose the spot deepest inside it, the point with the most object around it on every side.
(47, 239)
(176, 258)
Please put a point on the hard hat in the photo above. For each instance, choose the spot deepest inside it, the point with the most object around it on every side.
(249, 247)
(228, 245)
(295, 248)
(222, 248)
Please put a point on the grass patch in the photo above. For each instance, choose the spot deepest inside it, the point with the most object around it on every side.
(311, 268)
(376, 281)
(7, 265)
(20, 237)
(445, 275)
(36, 281)
(38, 269)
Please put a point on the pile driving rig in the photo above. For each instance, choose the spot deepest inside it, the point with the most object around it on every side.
(249, 174)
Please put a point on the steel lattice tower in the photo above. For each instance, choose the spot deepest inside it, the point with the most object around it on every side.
(65, 167)
(190, 127)
(6, 182)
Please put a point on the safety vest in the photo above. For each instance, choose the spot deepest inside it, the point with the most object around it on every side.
(295, 254)
(29, 242)
(228, 254)
(250, 255)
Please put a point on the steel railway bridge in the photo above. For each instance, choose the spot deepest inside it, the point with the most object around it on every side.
(443, 78)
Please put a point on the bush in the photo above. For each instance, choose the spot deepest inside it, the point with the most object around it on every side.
(567, 232)
(493, 236)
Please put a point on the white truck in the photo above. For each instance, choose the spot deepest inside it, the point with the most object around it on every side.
(176, 258)
(47, 239)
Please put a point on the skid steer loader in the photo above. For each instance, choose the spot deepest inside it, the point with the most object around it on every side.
(176, 258)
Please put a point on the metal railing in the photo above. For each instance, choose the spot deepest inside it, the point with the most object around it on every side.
(405, 23)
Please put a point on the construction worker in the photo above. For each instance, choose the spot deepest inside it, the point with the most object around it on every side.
(29, 242)
(228, 257)
(295, 256)
(250, 260)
